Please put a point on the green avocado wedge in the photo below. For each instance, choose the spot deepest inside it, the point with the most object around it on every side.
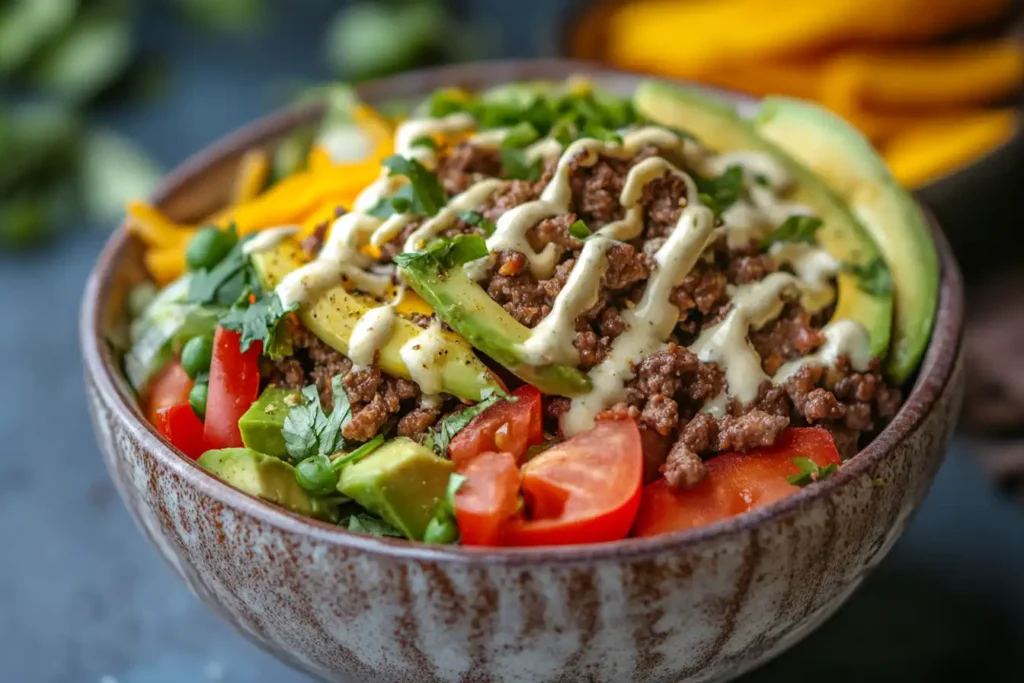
(850, 166)
(464, 305)
(718, 126)
(266, 477)
(333, 314)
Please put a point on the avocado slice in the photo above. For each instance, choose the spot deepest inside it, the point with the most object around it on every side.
(268, 478)
(720, 128)
(401, 482)
(466, 308)
(850, 166)
(333, 314)
(261, 425)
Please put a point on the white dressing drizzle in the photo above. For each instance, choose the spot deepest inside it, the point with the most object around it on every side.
(423, 356)
(548, 341)
(371, 332)
(413, 129)
(842, 338)
(266, 240)
(446, 217)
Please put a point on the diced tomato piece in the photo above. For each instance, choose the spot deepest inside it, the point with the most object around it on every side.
(169, 387)
(488, 498)
(234, 387)
(584, 490)
(735, 483)
(180, 425)
(506, 427)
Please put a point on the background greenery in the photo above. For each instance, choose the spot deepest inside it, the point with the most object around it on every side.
(61, 59)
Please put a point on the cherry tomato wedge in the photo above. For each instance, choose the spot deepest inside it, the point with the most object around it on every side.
(488, 498)
(507, 426)
(735, 483)
(169, 387)
(584, 490)
(234, 386)
(180, 425)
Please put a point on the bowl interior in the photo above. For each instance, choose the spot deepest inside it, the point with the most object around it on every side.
(202, 184)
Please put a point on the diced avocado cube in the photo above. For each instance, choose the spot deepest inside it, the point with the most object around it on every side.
(401, 482)
(268, 478)
(261, 425)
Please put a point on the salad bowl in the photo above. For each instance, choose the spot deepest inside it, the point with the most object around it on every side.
(699, 605)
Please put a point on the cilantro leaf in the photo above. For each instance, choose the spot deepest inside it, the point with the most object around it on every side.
(425, 141)
(514, 161)
(227, 283)
(261, 322)
(579, 230)
(302, 426)
(331, 439)
(477, 220)
(445, 253)
(308, 431)
(722, 192)
(441, 436)
(794, 229)
(364, 523)
(810, 472)
(359, 453)
(873, 277)
(425, 195)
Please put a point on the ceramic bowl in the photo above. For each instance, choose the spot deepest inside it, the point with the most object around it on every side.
(700, 605)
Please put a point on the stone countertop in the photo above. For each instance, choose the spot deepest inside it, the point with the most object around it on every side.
(84, 598)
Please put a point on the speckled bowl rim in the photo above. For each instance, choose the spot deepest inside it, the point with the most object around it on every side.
(100, 363)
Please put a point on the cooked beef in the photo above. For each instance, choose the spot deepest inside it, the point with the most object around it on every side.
(663, 200)
(596, 188)
(374, 397)
(788, 337)
(749, 431)
(463, 165)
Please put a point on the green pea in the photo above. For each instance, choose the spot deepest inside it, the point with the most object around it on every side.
(197, 399)
(196, 355)
(442, 530)
(316, 476)
(209, 247)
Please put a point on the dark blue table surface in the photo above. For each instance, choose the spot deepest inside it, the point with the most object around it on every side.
(84, 599)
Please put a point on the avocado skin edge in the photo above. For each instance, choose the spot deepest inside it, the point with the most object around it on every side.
(850, 165)
(843, 236)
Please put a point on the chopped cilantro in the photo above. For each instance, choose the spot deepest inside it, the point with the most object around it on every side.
(762, 180)
(308, 431)
(513, 155)
(579, 230)
(873, 277)
(226, 283)
(358, 454)
(422, 195)
(603, 134)
(425, 141)
(261, 322)
(810, 472)
(722, 192)
(794, 229)
(477, 220)
(446, 253)
(364, 523)
(441, 437)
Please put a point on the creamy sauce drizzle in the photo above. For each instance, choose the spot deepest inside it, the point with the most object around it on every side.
(423, 355)
(266, 240)
(651, 322)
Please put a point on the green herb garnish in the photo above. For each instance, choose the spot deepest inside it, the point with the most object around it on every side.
(477, 220)
(261, 322)
(358, 454)
(794, 229)
(513, 153)
(722, 192)
(873, 277)
(425, 141)
(445, 253)
(228, 282)
(422, 195)
(363, 523)
(440, 437)
(308, 431)
(579, 230)
(810, 472)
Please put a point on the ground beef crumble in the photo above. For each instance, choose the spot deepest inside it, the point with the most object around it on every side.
(375, 397)
(668, 388)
